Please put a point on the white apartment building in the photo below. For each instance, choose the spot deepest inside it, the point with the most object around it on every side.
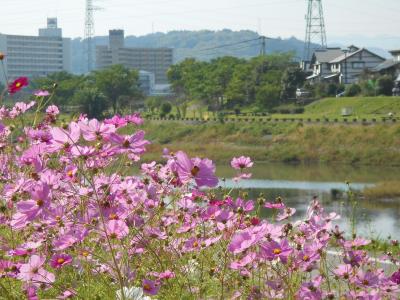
(153, 60)
(36, 56)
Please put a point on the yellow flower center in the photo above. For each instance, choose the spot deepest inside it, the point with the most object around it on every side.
(195, 244)
(113, 217)
(60, 260)
(18, 84)
(147, 287)
(277, 251)
(40, 202)
(70, 173)
(306, 258)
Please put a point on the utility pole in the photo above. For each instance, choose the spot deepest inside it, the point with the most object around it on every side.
(263, 45)
(345, 65)
(315, 28)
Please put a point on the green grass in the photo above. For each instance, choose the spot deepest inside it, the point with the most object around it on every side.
(383, 190)
(362, 106)
(281, 142)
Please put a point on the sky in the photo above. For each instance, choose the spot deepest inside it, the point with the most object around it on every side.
(374, 21)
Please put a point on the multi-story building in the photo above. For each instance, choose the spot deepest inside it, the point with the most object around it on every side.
(153, 60)
(36, 56)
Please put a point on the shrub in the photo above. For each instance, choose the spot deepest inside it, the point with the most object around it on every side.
(384, 85)
(165, 108)
(353, 90)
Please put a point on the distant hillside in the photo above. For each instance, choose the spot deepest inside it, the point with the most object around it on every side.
(190, 43)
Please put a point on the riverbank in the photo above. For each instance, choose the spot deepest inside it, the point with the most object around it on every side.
(279, 142)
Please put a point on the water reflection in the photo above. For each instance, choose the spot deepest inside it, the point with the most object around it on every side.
(317, 172)
(298, 184)
(374, 219)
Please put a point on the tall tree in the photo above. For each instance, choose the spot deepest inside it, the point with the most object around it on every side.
(292, 78)
(91, 100)
(117, 82)
(64, 84)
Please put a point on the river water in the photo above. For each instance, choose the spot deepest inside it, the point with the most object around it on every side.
(298, 184)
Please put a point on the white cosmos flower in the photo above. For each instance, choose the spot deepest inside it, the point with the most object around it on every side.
(132, 293)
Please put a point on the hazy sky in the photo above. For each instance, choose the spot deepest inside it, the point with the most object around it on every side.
(273, 18)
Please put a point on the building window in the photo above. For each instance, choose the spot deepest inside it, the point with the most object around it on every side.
(358, 65)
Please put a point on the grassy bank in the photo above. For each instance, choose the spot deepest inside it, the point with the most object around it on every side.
(372, 145)
(383, 190)
(363, 107)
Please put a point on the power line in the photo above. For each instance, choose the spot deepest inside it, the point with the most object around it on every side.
(228, 45)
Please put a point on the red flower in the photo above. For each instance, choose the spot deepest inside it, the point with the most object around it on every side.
(17, 85)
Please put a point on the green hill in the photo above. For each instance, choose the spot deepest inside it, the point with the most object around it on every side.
(361, 107)
(192, 44)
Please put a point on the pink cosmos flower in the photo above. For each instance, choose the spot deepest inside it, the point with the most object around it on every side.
(249, 258)
(311, 290)
(117, 229)
(367, 279)
(53, 110)
(357, 242)
(41, 93)
(31, 292)
(63, 139)
(150, 287)
(201, 170)
(242, 176)
(117, 121)
(278, 204)
(344, 271)
(354, 258)
(286, 213)
(307, 258)
(241, 162)
(395, 277)
(34, 272)
(20, 108)
(274, 250)
(166, 275)
(65, 241)
(60, 260)
(68, 294)
(8, 269)
(274, 205)
(241, 241)
(26, 249)
(96, 130)
(244, 239)
(28, 210)
(134, 143)
(134, 119)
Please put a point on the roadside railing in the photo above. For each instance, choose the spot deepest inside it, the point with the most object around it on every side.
(330, 121)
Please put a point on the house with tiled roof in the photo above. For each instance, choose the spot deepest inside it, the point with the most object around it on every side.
(342, 65)
(390, 66)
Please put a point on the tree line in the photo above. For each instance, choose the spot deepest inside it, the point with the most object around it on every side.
(263, 82)
(97, 94)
